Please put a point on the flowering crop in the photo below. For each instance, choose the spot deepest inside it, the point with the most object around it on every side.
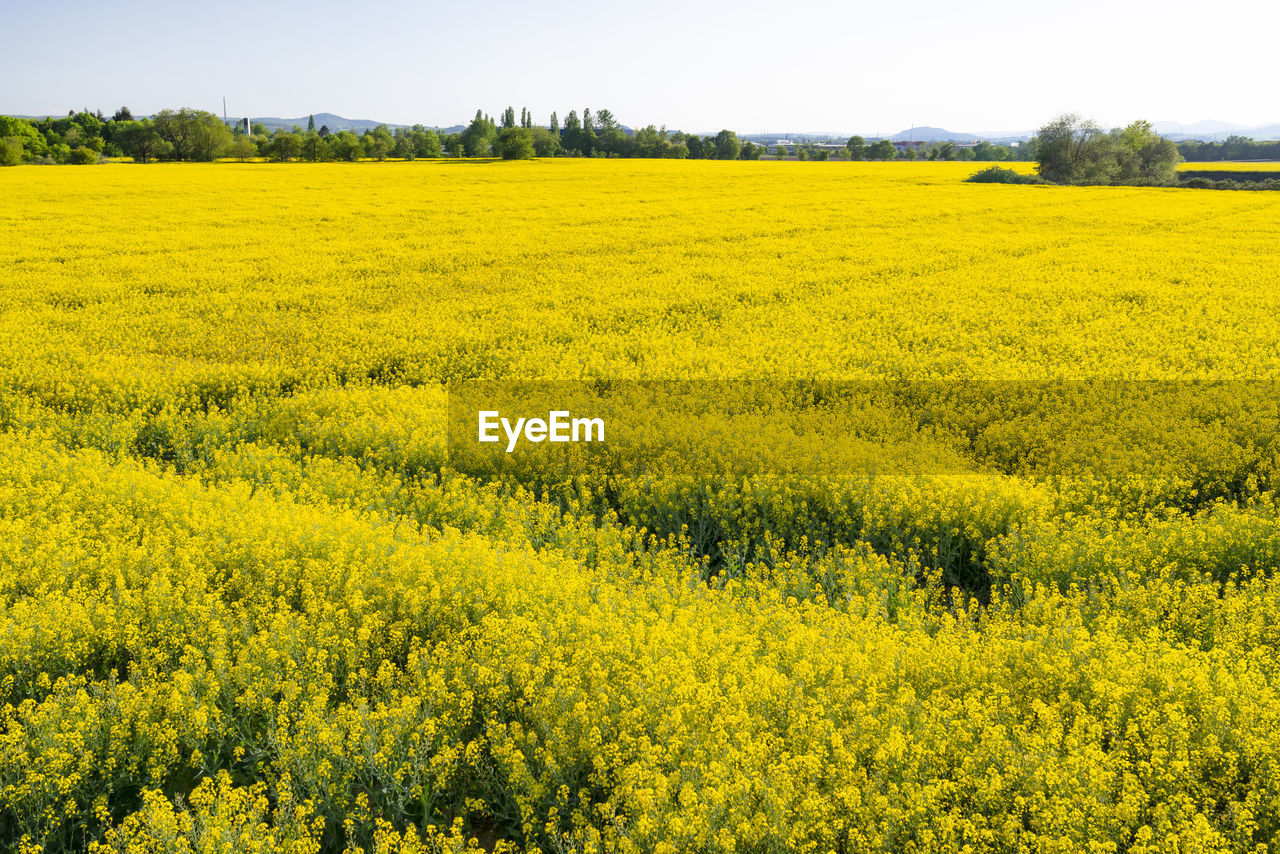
(249, 600)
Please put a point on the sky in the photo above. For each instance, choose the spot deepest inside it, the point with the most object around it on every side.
(748, 65)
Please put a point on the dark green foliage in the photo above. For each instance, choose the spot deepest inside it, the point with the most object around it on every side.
(194, 135)
(882, 149)
(1228, 175)
(377, 143)
(345, 145)
(515, 143)
(1001, 175)
(1202, 183)
(1072, 150)
(1234, 148)
(546, 143)
(478, 138)
(727, 145)
(10, 151)
(83, 156)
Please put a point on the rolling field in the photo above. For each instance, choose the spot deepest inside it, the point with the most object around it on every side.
(250, 600)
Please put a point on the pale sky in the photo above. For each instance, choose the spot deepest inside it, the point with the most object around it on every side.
(750, 66)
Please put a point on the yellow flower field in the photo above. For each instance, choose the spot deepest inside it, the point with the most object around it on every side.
(251, 601)
(1233, 166)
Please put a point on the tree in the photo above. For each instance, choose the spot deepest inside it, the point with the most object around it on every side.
(194, 135)
(11, 153)
(555, 124)
(1068, 149)
(985, 151)
(1071, 150)
(571, 137)
(587, 141)
(478, 138)
(426, 142)
(509, 117)
(378, 142)
(545, 143)
(611, 138)
(141, 141)
(1146, 156)
(90, 125)
(122, 115)
(28, 137)
(882, 149)
(751, 151)
(650, 142)
(614, 142)
(311, 123)
(857, 147)
(727, 146)
(346, 146)
(242, 148)
(780, 152)
(313, 146)
(284, 146)
(515, 143)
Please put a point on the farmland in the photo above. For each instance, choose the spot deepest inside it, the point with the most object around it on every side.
(250, 601)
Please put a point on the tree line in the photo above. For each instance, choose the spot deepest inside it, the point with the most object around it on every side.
(200, 136)
(1233, 148)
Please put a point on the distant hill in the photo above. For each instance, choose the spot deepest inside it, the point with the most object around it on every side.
(1207, 126)
(333, 121)
(931, 134)
(1210, 129)
(1203, 130)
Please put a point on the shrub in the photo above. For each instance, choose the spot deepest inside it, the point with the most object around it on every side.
(10, 151)
(82, 156)
(1001, 175)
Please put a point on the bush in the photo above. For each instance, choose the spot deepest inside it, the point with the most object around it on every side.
(82, 156)
(1202, 179)
(10, 151)
(1001, 175)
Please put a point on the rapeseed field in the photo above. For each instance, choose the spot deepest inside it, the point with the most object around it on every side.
(250, 599)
